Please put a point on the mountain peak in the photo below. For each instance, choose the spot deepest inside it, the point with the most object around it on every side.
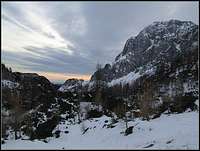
(162, 38)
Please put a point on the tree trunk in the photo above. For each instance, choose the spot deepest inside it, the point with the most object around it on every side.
(15, 127)
(126, 116)
(15, 134)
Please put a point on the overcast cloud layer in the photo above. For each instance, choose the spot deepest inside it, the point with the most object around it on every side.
(69, 38)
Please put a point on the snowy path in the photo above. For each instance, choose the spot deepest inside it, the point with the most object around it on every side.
(177, 131)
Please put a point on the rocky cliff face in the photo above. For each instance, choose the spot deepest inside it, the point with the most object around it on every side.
(160, 41)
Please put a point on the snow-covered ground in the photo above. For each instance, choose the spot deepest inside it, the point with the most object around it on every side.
(175, 131)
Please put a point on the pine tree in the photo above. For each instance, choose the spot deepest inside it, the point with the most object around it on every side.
(10, 69)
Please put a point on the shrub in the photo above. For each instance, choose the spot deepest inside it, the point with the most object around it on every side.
(181, 103)
(57, 133)
(129, 130)
(94, 114)
(45, 129)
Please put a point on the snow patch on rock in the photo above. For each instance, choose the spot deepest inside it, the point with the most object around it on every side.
(9, 84)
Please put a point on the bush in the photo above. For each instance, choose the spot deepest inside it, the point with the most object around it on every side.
(29, 131)
(110, 126)
(113, 121)
(45, 129)
(181, 103)
(57, 133)
(129, 130)
(2, 142)
(66, 132)
(94, 114)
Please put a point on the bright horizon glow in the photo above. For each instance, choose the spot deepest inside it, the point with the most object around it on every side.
(53, 77)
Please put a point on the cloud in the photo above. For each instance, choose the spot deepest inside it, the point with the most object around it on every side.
(71, 37)
(38, 33)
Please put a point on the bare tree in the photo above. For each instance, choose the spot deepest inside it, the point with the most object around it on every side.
(18, 112)
(78, 105)
(125, 90)
(10, 69)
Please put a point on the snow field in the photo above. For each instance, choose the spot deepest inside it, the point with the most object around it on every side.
(175, 131)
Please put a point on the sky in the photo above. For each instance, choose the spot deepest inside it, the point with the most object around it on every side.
(62, 40)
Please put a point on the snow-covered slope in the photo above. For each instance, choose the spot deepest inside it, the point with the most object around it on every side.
(132, 76)
(175, 131)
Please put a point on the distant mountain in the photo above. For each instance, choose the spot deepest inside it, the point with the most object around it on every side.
(72, 85)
